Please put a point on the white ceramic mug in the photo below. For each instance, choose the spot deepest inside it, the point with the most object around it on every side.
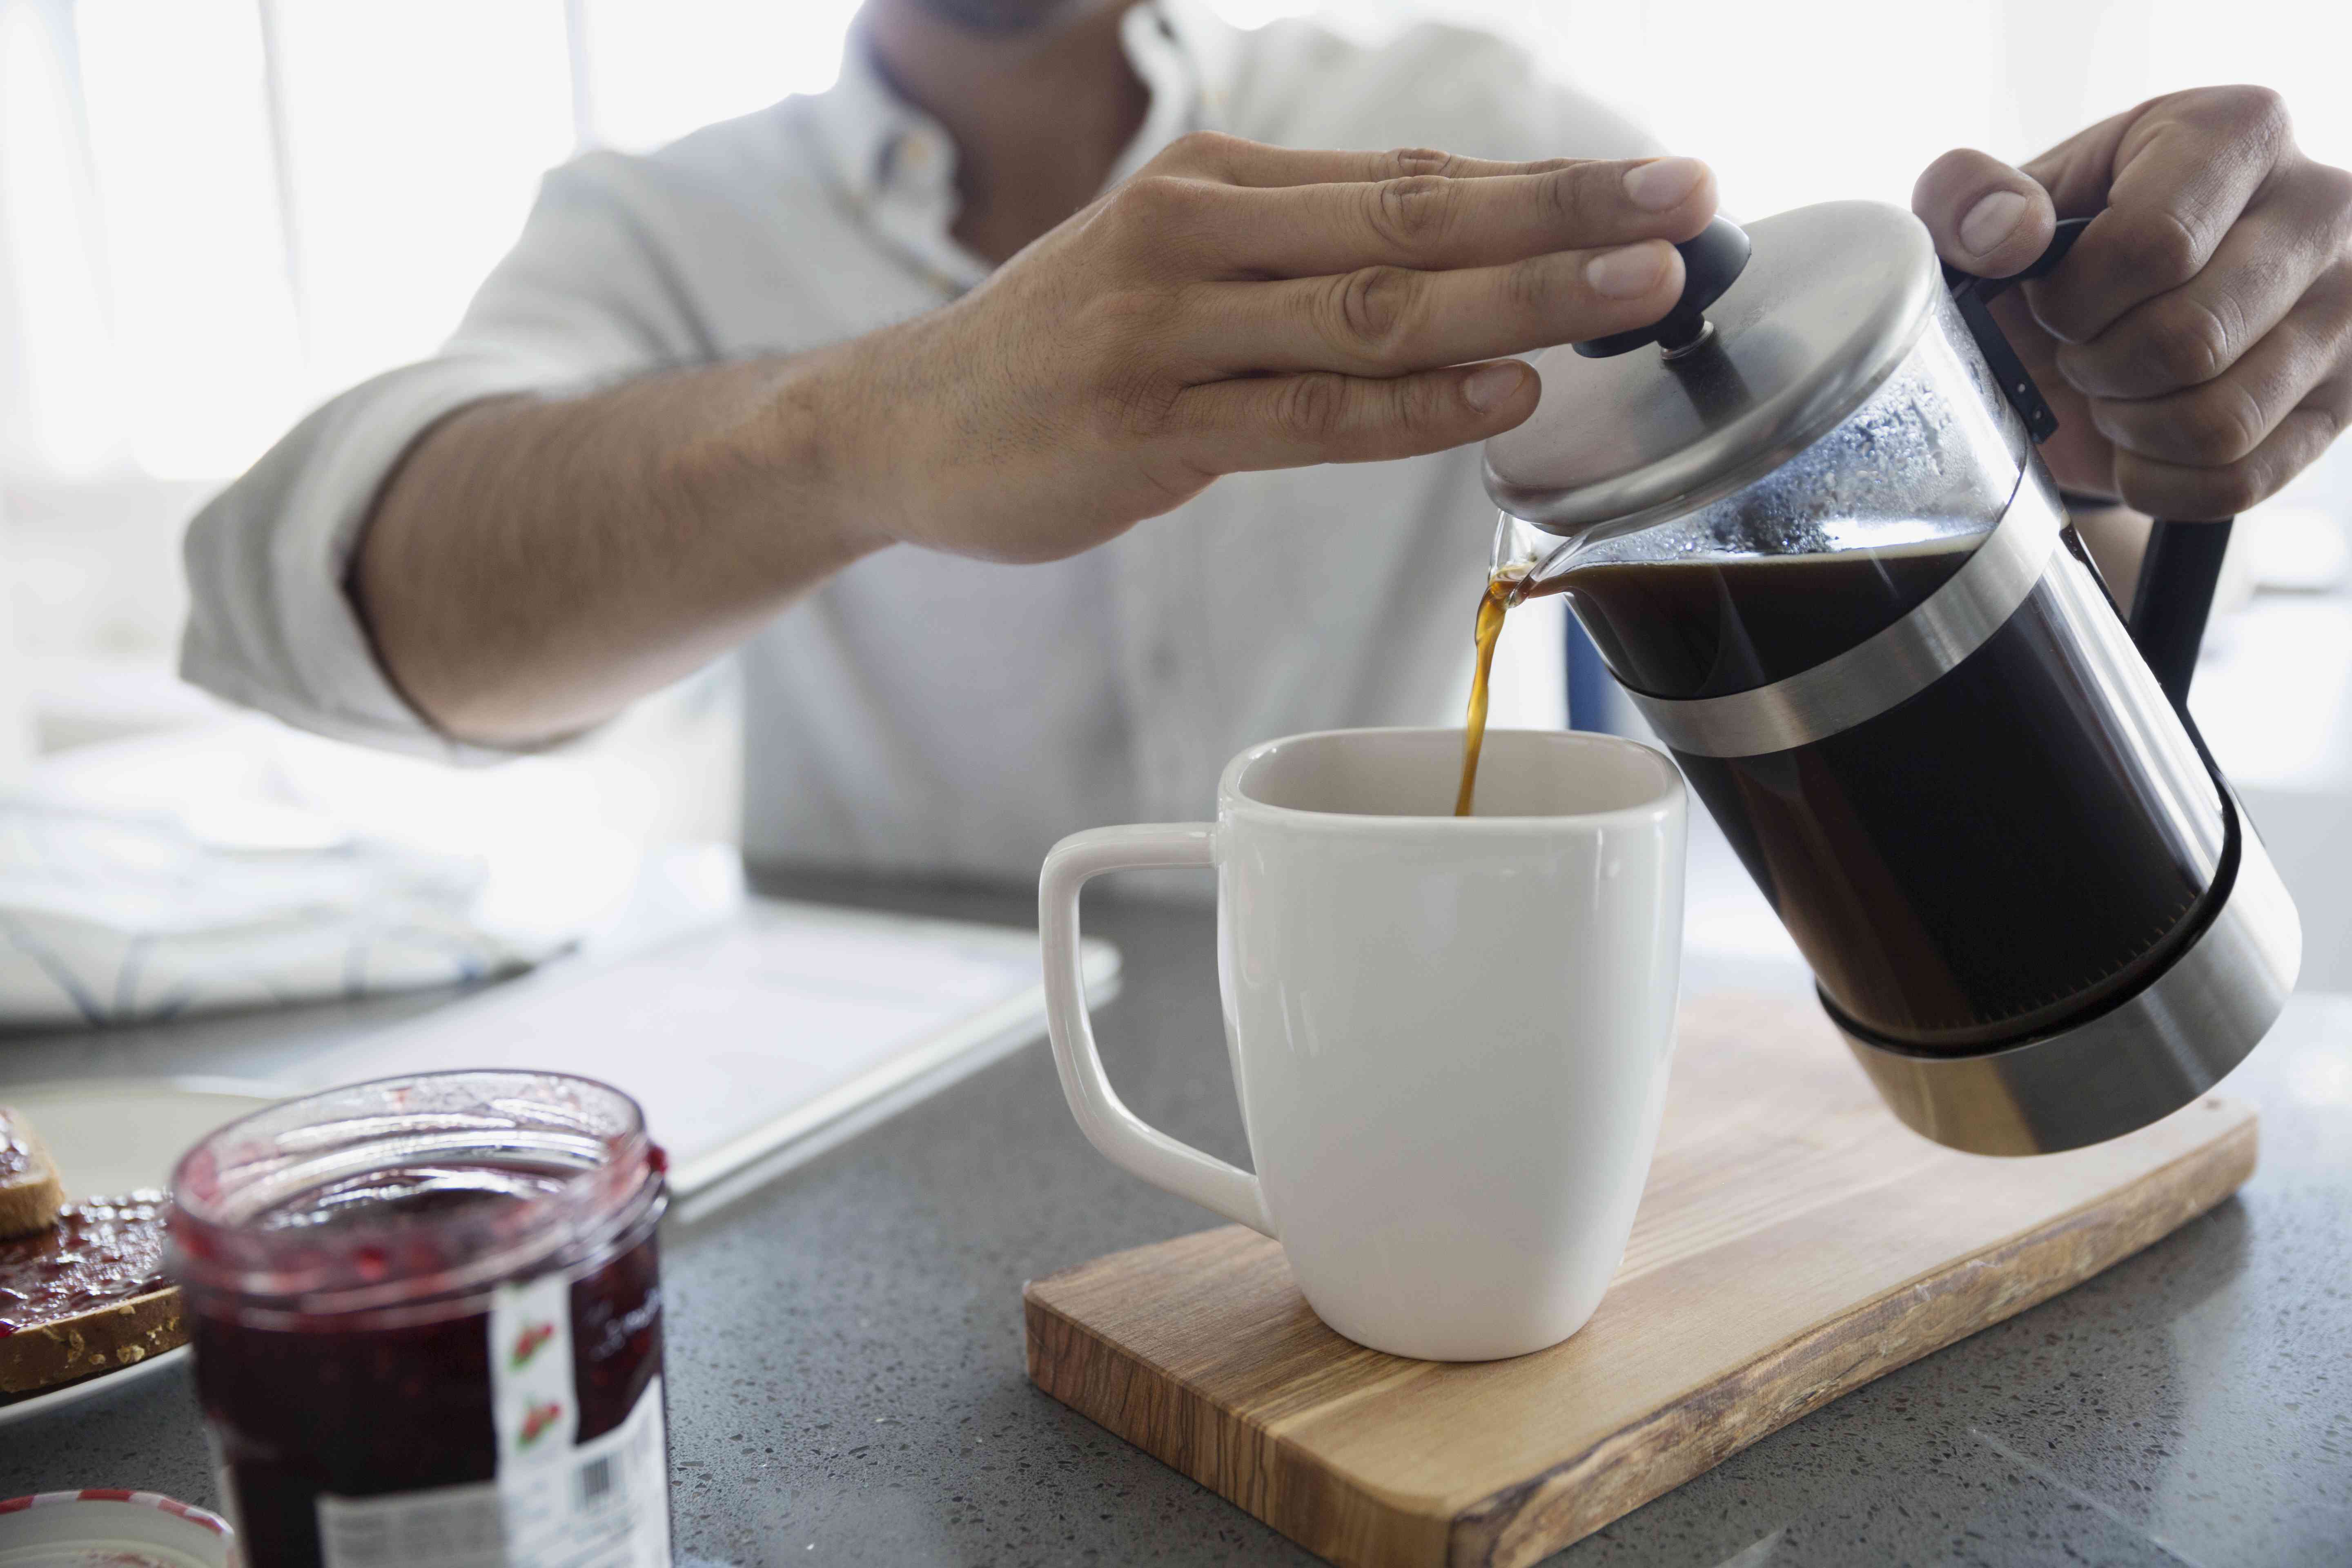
(1450, 1035)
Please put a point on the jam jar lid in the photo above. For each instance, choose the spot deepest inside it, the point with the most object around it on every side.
(1830, 300)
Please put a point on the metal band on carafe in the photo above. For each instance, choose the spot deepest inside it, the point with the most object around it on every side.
(2123, 1066)
(1888, 668)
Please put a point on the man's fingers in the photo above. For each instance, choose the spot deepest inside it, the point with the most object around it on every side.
(1291, 421)
(2179, 171)
(1987, 217)
(2198, 494)
(2294, 232)
(1432, 221)
(2225, 419)
(1213, 155)
(1387, 320)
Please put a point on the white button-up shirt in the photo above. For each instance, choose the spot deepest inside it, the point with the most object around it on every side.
(921, 711)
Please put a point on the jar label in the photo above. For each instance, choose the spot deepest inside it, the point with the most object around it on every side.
(533, 1401)
(603, 1503)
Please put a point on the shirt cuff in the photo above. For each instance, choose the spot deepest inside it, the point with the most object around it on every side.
(272, 624)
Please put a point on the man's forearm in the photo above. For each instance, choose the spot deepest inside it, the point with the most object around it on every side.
(534, 565)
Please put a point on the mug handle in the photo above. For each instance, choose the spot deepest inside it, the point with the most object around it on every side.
(1124, 1138)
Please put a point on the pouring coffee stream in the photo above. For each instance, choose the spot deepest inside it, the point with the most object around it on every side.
(1494, 604)
(1812, 538)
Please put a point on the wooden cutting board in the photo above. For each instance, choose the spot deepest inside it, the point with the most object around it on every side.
(1794, 1242)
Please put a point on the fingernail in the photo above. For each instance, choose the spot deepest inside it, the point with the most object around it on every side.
(1655, 186)
(1991, 220)
(1493, 385)
(1628, 271)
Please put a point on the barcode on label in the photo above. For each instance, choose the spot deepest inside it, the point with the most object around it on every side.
(595, 1480)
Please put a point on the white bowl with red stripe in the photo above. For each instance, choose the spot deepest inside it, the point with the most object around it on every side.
(100, 1527)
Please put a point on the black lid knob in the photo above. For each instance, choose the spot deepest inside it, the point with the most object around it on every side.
(1711, 260)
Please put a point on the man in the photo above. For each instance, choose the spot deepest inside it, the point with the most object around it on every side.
(876, 387)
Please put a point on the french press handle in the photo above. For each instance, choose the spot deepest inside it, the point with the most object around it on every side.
(2183, 561)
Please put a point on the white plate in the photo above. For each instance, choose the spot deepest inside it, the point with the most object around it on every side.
(24, 1407)
(109, 1137)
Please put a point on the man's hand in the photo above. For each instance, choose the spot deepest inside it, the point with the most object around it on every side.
(2197, 342)
(534, 563)
(1236, 306)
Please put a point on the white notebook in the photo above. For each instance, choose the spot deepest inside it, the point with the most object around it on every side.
(754, 1045)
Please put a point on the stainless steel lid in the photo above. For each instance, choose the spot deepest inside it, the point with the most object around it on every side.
(1831, 301)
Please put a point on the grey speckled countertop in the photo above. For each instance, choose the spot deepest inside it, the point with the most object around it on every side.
(846, 1372)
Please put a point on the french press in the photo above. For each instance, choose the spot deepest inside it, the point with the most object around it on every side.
(1804, 522)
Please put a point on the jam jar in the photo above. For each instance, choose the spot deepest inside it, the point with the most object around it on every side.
(427, 1319)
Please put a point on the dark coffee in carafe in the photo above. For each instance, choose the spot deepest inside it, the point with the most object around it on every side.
(1706, 626)
(1973, 863)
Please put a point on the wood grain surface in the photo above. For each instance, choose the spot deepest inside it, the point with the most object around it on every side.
(1794, 1243)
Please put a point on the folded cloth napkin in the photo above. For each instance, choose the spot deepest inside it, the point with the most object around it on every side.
(117, 917)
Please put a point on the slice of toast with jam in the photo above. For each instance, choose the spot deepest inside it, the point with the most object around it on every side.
(81, 1284)
(30, 1191)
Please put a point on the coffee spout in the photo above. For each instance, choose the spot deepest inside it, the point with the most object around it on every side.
(1525, 555)
(1518, 546)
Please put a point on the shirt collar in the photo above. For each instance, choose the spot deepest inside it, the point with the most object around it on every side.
(880, 147)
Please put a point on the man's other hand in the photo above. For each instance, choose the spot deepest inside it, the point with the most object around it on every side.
(2197, 342)
(1236, 306)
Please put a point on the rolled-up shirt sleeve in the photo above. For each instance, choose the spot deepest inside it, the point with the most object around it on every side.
(582, 298)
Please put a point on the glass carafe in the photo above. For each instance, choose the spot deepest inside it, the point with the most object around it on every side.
(1814, 545)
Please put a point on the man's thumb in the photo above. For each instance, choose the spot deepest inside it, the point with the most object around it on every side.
(1986, 217)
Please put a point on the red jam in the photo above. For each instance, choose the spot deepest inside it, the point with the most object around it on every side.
(97, 1254)
(343, 1325)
